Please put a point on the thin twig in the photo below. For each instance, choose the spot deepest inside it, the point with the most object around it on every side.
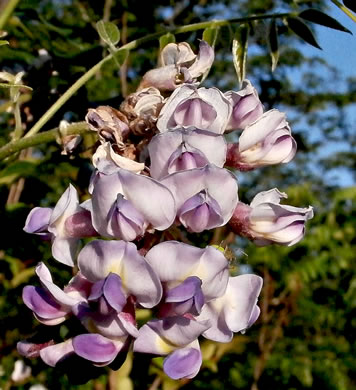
(155, 383)
(107, 10)
(123, 68)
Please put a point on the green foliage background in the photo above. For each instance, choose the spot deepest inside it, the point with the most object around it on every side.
(305, 337)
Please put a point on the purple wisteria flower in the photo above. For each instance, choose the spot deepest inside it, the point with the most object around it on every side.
(266, 221)
(122, 209)
(174, 262)
(179, 150)
(191, 277)
(98, 259)
(187, 290)
(235, 311)
(201, 203)
(267, 141)
(176, 338)
(50, 304)
(246, 107)
(188, 106)
(113, 279)
(65, 225)
(199, 298)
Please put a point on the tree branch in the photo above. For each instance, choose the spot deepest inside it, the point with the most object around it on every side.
(38, 139)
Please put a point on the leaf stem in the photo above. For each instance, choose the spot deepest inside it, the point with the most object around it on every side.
(133, 45)
(345, 9)
(42, 138)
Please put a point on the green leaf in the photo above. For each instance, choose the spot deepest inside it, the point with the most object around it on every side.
(210, 35)
(108, 32)
(2, 42)
(318, 17)
(121, 56)
(303, 31)
(239, 51)
(23, 277)
(4, 85)
(350, 4)
(16, 170)
(273, 43)
(165, 39)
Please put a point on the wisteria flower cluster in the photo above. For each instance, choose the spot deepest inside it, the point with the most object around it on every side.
(159, 168)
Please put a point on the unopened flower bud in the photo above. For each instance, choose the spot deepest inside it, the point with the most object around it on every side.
(266, 221)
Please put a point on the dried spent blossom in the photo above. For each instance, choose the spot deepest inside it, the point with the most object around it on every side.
(111, 124)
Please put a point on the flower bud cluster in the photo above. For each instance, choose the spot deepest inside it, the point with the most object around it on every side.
(161, 163)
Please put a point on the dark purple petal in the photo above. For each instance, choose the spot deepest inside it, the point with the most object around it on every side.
(95, 348)
(114, 293)
(40, 302)
(96, 290)
(185, 290)
(199, 301)
(183, 363)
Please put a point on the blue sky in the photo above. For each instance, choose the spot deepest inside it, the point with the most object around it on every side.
(339, 50)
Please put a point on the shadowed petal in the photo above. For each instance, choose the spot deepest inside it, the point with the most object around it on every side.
(40, 302)
(95, 348)
(161, 337)
(56, 353)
